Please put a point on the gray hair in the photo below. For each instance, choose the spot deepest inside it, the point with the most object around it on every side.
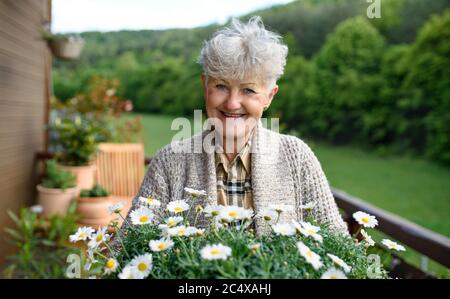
(244, 51)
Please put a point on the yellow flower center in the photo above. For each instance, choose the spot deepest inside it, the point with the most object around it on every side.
(365, 220)
(150, 200)
(143, 219)
(171, 223)
(110, 264)
(309, 254)
(162, 246)
(82, 235)
(142, 267)
(311, 232)
(178, 209)
(181, 232)
(99, 238)
(215, 251)
(232, 214)
(333, 277)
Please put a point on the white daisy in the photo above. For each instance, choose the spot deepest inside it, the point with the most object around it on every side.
(177, 206)
(283, 229)
(333, 273)
(160, 245)
(116, 208)
(215, 252)
(254, 247)
(110, 266)
(280, 208)
(367, 238)
(212, 210)
(181, 231)
(268, 214)
(308, 230)
(99, 237)
(128, 272)
(141, 215)
(308, 206)
(200, 231)
(392, 245)
(365, 219)
(173, 221)
(83, 233)
(195, 193)
(232, 213)
(338, 261)
(150, 201)
(310, 256)
(142, 265)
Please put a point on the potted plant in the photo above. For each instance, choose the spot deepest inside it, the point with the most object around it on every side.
(57, 189)
(77, 141)
(65, 46)
(92, 206)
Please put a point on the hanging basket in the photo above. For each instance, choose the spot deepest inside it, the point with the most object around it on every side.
(68, 48)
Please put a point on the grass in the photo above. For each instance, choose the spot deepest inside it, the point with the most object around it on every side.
(412, 188)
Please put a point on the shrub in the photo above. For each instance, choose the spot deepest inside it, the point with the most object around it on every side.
(56, 177)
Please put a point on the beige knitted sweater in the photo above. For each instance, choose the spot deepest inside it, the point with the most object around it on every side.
(284, 171)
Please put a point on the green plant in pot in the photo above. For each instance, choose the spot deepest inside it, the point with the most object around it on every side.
(77, 140)
(57, 190)
(92, 206)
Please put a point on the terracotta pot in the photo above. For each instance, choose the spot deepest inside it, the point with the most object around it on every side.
(55, 201)
(85, 175)
(67, 48)
(93, 211)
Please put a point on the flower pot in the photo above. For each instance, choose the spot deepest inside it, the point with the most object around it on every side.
(85, 175)
(55, 201)
(67, 48)
(93, 211)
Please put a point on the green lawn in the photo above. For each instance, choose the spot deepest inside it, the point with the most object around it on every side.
(412, 188)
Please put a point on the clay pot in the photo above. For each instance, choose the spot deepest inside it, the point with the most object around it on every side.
(55, 201)
(93, 211)
(85, 175)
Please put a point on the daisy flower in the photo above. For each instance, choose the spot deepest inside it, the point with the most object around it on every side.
(83, 233)
(310, 256)
(392, 245)
(177, 206)
(173, 221)
(181, 231)
(99, 237)
(333, 273)
(212, 210)
(142, 265)
(338, 261)
(160, 245)
(200, 231)
(110, 266)
(308, 206)
(116, 208)
(195, 193)
(308, 230)
(215, 252)
(234, 213)
(283, 229)
(128, 273)
(365, 219)
(268, 214)
(141, 215)
(367, 238)
(254, 247)
(150, 201)
(280, 208)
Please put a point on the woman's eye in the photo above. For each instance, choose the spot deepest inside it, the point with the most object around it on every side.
(221, 86)
(248, 91)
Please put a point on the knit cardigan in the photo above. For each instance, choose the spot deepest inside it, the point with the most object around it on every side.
(284, 171)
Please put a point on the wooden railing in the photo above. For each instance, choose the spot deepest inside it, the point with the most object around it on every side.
(422, 240)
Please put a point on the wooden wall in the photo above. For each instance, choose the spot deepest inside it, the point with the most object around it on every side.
(25, 65)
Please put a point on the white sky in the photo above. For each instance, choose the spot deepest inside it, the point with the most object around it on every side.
(112, 15)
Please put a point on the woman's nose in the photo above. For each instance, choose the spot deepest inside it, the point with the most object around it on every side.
(233, 102)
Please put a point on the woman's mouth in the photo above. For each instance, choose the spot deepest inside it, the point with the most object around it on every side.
(232, 115)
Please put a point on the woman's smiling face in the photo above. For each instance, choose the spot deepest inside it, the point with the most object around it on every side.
(235, 105)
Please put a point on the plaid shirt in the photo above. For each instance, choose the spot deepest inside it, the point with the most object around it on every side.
(234, 185)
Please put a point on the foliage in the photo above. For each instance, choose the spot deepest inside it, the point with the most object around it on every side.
(41, 244)
(96, 191)
(78, 139)
(56, 177)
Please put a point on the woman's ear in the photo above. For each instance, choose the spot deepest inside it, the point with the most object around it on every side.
(271, 94)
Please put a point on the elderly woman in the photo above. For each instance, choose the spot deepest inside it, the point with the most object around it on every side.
(239, 162)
